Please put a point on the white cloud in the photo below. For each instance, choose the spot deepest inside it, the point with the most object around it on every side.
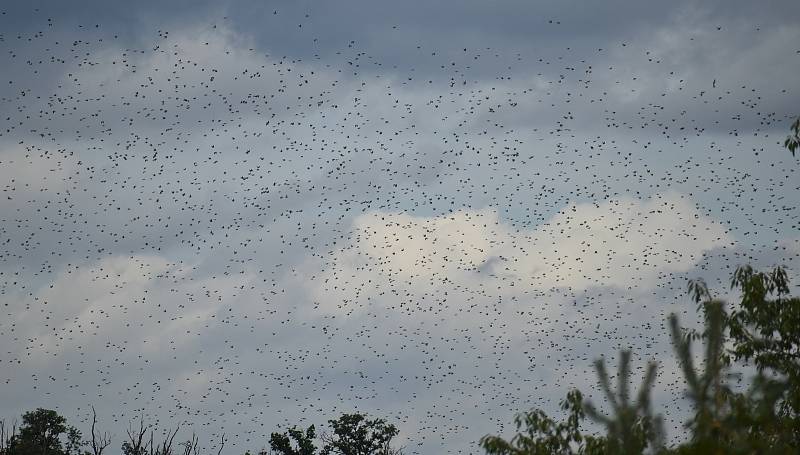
(623, 243)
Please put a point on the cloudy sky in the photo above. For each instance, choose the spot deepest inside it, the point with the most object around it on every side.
(239, 216)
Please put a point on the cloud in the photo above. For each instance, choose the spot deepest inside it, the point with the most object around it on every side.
(624, 243)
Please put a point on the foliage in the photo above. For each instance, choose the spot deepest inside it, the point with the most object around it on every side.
(761, 420)
(40, 434)
(74, 442)
(755, 421)
(281, 443)
(767, 332)
(538, 434)
(707, 389)
(793, 140)
(632, 427)
(43, 430)
(354, 434)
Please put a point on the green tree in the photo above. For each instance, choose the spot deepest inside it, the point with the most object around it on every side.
(632, 427)
(763, 419)
(707, 389)
(40, 434)
(74, 442)
(766, 331)
(281, 443)
(538, 434)
(354, 434)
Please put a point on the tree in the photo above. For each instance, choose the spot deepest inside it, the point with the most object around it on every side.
(632, 427)
(538, 434)
(100, 441)
(761, 420)
(139, 444)
(793, 140)
(767, 331)
(281, 443)
(136, 443)
(74, 442)
(707, 389)
(190, 445)
(40, 434)
(354, 434)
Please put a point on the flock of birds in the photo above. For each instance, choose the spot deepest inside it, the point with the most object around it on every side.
(201, 231)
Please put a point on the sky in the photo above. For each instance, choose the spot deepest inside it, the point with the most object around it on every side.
(239, 216)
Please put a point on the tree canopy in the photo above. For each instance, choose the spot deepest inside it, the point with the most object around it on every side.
(761, 419)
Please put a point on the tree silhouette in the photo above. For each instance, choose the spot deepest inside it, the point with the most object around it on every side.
(281, 443)
(793, 140)
(100, 441)
(139, 444)
(40, 434)
(354, 434)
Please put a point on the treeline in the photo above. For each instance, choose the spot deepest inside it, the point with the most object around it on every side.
(763, 330)
(45, 432)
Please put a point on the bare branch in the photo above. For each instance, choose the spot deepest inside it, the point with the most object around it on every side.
(136, 437)
(221, 444)
(166, 446)
(190, 446)
(99, 441)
